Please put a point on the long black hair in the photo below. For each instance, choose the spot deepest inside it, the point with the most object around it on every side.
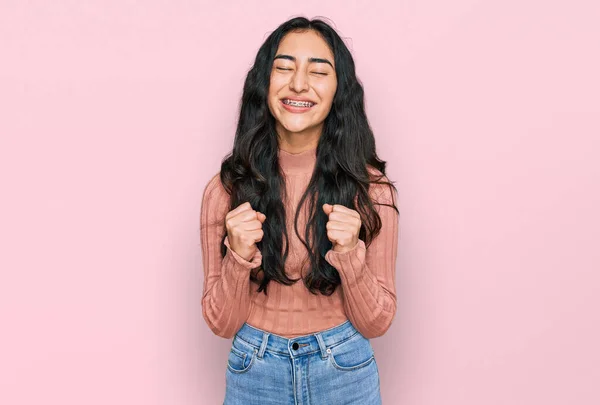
(346, 148)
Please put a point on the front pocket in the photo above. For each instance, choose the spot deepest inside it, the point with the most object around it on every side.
(353, 354)
(350, 367)
(240, 361)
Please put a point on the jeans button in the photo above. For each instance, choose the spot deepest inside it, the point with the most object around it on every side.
(295, 346)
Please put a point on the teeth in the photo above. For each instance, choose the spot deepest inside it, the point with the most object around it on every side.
(298, 103)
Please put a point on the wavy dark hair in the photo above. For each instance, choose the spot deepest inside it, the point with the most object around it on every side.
(346, 147)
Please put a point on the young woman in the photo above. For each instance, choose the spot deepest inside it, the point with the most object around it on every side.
(299, 230)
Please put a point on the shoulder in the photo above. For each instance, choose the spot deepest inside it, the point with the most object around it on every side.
(215, 203)
(214, 191)
(373, 172)
(380, 193)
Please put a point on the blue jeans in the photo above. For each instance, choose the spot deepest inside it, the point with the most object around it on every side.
(331, 367)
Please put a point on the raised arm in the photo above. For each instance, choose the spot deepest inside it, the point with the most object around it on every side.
(226, 299)
(368, 275)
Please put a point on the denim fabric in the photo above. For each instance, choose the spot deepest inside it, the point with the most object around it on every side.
(332, 367)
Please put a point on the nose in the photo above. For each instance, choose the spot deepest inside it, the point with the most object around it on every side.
(299, 81)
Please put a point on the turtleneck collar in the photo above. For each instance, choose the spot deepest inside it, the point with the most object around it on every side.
(303, 162)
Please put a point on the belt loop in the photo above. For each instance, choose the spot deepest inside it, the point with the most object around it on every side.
(263, 345)
(321, 345)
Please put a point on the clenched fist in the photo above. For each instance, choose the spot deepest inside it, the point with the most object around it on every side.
(343, 227)
(244, 229)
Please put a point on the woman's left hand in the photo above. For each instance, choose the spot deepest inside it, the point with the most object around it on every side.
(343, 227)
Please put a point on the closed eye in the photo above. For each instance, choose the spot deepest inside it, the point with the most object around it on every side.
(317, 73)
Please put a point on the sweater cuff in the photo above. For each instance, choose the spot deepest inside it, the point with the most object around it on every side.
(256, 260)
(349, 264)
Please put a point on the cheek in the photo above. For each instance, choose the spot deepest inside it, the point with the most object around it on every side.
(326, 92)
(272, 89)
(276, 83)
(272, 96)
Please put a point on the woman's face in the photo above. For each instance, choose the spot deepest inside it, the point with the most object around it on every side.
(303, 83)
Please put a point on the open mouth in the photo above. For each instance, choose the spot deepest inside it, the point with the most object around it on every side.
(297, 104)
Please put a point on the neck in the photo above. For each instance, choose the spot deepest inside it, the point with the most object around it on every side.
(297, 142)
(298, 163)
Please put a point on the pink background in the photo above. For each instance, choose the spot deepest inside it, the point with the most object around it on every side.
(114, 115)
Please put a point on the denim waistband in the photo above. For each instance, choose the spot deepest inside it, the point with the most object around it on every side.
(297, 346)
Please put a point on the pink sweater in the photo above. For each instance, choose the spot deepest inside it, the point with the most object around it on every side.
(366, 296)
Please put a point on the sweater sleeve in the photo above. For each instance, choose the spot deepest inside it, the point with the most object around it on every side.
(368, 275)
(226, 298)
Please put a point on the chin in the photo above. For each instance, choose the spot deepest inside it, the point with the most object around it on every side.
(293, 127)
(297, 123)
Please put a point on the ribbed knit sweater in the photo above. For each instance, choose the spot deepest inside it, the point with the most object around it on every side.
(366, 296)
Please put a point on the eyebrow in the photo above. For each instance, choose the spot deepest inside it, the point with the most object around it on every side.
(310, 60)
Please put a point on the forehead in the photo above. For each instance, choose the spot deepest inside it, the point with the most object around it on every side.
(304, 45)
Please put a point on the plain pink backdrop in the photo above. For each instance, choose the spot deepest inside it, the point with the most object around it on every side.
(114, 115)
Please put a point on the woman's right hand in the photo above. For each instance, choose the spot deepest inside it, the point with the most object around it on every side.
(244, 229)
